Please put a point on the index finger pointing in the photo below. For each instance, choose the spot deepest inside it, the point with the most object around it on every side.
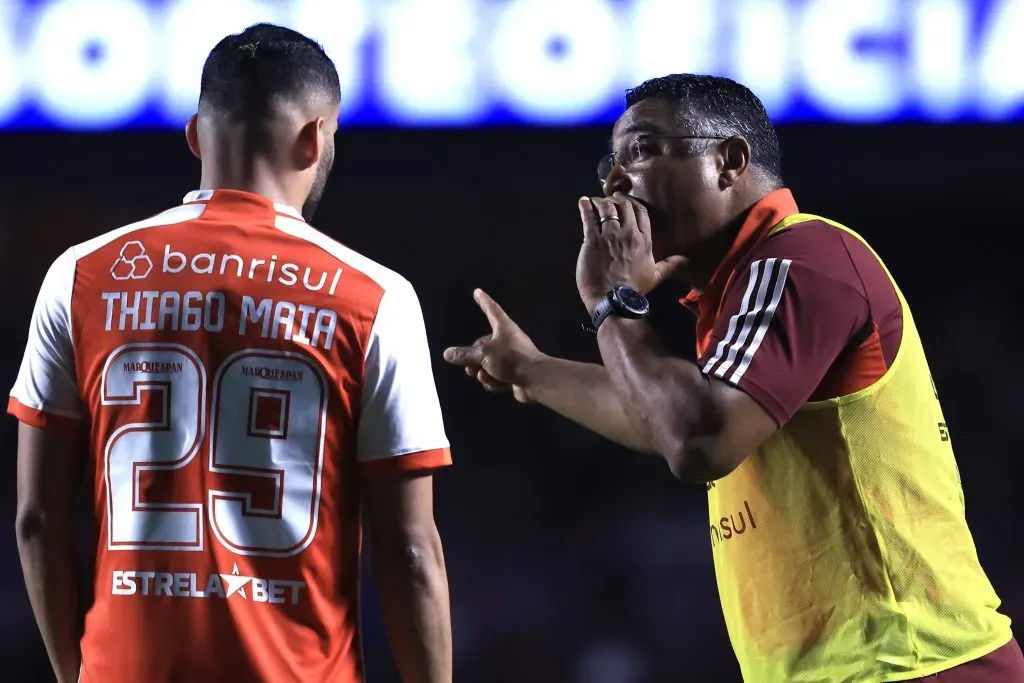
(496, 316)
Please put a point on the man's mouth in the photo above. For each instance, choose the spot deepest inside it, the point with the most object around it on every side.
(634, 200)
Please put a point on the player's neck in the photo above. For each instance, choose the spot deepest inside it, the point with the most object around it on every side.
(254, 178)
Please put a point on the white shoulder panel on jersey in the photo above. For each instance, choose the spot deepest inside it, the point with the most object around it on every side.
(179, 214)
(46, 380)
(401, 413)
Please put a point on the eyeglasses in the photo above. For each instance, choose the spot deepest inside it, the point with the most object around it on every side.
(636, 152)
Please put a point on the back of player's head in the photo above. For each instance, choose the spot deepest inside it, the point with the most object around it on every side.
(719, 106)
(249, 74)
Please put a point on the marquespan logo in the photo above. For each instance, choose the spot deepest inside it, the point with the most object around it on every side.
(133, 263)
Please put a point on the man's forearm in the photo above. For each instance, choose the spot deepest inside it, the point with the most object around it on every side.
(584, 393)
(412, 588)
(48, 563)
(666, 399)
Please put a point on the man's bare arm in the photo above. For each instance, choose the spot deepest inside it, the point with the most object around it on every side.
(583, 393)
(704, 428)
(408, 568)
(49, 471)
(507, 361)
(642, 398)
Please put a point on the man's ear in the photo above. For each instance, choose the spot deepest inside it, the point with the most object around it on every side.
(192, 136)
(733, 160)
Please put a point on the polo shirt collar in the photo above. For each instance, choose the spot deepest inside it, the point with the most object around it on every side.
(768, 212)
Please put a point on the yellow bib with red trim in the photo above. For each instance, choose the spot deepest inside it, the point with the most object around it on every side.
(841, 548)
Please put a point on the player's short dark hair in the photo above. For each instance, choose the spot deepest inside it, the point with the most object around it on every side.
(248, 73)
(720, 106)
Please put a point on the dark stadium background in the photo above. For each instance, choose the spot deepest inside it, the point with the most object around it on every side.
(572, 560)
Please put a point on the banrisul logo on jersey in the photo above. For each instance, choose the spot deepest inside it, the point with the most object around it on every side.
(132, 263)
(256, 269)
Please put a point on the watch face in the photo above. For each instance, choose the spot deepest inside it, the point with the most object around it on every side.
(632, 300)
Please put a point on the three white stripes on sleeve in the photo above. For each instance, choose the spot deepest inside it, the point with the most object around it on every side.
(744, 345)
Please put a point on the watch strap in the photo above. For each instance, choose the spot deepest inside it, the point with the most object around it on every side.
(604, 308)
(602, 311)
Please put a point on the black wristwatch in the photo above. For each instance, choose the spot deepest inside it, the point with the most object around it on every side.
(623, 301)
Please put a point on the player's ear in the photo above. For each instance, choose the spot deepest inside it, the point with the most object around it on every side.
(192, 135)
(310, 143)
(733, 160)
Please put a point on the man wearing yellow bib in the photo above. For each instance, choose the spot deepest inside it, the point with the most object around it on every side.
(836, 512)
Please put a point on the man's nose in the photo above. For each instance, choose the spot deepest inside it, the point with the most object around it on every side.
(616, 181)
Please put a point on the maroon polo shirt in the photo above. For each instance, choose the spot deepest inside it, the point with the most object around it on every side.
(804, 314)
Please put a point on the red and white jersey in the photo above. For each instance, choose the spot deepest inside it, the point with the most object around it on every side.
(237, 373)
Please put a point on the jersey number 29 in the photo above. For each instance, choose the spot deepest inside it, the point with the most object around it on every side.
(267, 423)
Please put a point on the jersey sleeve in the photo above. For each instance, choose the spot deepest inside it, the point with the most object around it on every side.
(400, 425)
(787, 318)
(45, 394)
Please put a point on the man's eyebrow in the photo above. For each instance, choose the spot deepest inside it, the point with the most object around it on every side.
(638, 127)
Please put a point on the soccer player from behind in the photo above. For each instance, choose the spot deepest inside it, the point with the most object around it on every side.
(837, 522)
(247, 387)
